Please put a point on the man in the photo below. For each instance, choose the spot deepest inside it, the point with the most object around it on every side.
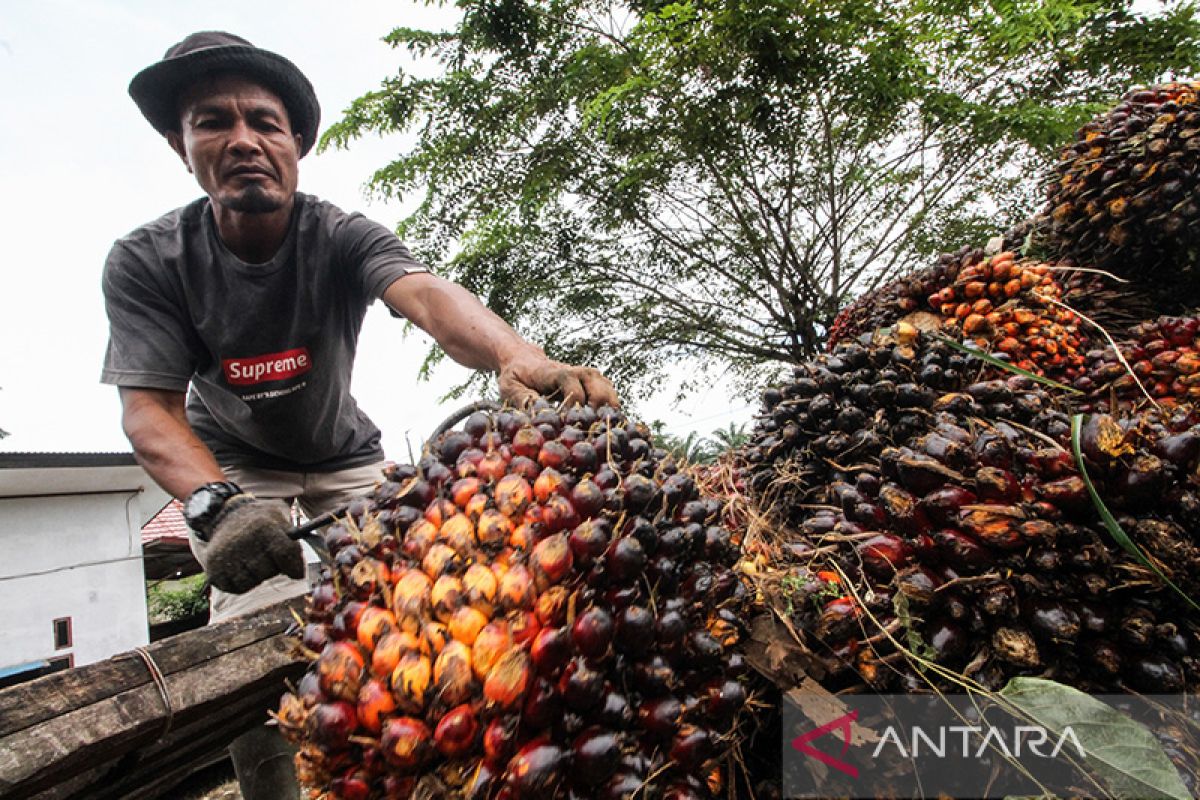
(253, 297)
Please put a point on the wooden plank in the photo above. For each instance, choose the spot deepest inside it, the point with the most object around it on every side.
(31, 703)
(38, 757)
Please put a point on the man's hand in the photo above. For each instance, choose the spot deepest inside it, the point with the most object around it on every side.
(524, 378)
(250, 544)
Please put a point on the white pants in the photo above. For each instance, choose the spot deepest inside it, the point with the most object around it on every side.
(313, 493)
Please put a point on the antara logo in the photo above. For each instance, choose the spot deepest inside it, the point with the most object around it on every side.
(270, 367)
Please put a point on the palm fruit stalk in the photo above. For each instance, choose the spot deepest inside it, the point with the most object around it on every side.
(544, 606)
(1163, 354)
(895, 300)
(1014, 307)
(1123, 196)
(918, 513)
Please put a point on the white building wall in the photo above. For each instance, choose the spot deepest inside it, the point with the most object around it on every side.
(76, 556)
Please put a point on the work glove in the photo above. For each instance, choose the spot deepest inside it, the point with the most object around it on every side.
(250, 544)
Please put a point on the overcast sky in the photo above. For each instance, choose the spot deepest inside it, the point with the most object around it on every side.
(79, 167)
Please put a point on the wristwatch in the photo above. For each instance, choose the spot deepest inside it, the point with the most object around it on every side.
(201, 508)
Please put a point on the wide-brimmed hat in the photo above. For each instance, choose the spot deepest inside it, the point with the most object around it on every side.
(156, 89)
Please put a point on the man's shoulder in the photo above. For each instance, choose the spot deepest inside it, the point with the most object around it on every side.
(173, 223)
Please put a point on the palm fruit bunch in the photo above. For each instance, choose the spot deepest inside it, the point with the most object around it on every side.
(1164, 356)
(1123, 197)
(918, 514)
(1012, 306)
(886, 305)
(544, 606)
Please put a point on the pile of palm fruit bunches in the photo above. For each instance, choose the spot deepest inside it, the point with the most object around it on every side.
(920, 496)
(543, 606)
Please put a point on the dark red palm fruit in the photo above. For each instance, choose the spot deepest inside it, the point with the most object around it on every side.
(605, 478)
(528, 442)
(354, 785)
(718, 544)
(581, 687)
(477, 425)
(683, 791)
(1068, 493)
(692, 511)
(883, 554)
(961, 550)
(554, 455)
(595, 755)
(543, 705)
(536, 770)
(703, 649)
(570, 435)
(621, 786)
(309, 690)
(330, 725)
(618, 598)
(1154, 674)
(639, 491)
(589, 540)
(678, 489)
(653, 676)
(526, 467)
(500, 740)
(456, 732)
(1053, 620)
(661, 717)
(592, 632)
(615, 711)
(691, 747)
(626, 559)
(468, 461)
(587, 498)
(636, 628)
(1179, 450)
(994, 485)
(948, 640)
(315, 636)
(552, 559)
(559, 514)
(452, 446)
(581, 416)
(438, 475)
(644, 531)
(670, 629)
(583, 458)
(406, 743)
(721, 700)
(944, 505)
(550, 651)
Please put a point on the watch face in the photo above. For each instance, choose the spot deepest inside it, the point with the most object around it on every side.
(199, 503)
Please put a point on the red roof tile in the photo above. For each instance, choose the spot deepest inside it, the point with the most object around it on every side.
(167, 526)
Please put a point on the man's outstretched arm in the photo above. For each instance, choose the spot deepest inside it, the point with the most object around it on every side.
(475, 337)
(165, 445)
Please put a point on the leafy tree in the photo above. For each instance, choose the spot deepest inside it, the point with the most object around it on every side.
(697, 449)
(638, 183)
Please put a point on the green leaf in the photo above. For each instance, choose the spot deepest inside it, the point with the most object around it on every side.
(1114, 528)
(1120, 752)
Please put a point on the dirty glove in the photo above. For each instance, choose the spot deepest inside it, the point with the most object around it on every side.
(250, 544)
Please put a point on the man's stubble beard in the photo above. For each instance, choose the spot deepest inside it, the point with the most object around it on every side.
(254, 200)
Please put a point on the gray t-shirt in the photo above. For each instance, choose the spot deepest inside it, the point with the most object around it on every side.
(268, 349)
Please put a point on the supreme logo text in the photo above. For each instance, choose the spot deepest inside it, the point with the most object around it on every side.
(271, 367)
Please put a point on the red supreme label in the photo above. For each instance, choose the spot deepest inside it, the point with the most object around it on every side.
(271, 367)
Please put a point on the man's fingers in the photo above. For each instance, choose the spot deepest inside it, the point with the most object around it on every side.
(570, 388)
(516, 393)
(600, 391)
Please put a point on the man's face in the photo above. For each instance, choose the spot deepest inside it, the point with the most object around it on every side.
(236, 138)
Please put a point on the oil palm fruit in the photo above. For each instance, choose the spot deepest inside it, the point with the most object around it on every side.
(544, 606)
(919, 513)
(1163, 354)
(893, 301)
(1123, 195)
